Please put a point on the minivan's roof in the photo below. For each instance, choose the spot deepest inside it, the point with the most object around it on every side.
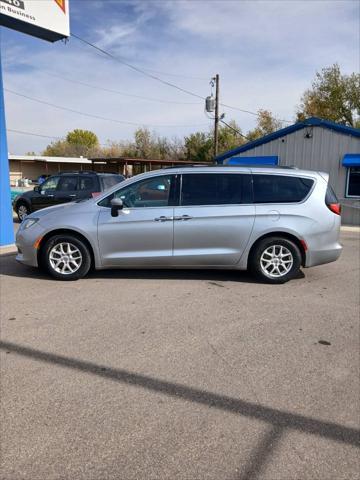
(210, 168)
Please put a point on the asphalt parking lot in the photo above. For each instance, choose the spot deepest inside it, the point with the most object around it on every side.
(181, 375)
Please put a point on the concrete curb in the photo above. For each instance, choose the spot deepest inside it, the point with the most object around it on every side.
(348, 228)
(8, 250)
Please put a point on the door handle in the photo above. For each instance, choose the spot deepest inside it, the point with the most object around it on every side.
(72, 195)
(183, 217)
(163, 219)
(50, 195)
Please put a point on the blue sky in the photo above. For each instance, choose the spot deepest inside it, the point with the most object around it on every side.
(266, 53)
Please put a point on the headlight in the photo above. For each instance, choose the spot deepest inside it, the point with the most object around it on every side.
(28, 222)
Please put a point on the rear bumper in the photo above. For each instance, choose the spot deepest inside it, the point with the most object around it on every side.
(319, 257)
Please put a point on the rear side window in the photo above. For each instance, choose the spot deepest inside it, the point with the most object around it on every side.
(67, 184)
(87, 183)
(330, 196)
(215, 189)
(108, 181)
(280, 188)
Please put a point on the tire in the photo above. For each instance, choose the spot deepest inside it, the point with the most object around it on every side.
(66, 257)
(275, 260)
(22, 210)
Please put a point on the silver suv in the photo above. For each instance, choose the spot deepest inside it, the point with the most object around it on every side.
(271, 221)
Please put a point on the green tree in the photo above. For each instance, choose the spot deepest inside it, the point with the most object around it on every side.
(144, 143)
(77, 143)
(230, 137)
(266, 123)
(332, 96)
(60, 148)
(85, 138)
(199, 147)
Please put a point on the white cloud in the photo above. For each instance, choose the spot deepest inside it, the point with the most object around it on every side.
(266, 53)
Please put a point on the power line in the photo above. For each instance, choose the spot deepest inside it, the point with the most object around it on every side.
(250, 112)
(235, 130)
(32, 134)
(167, 74)
(118, 92)
(22, 132)
(137, 69)
(154, 77)
(122, 122)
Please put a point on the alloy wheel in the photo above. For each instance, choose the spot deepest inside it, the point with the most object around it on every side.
(22, 212)
(65, 258)
(276, 261)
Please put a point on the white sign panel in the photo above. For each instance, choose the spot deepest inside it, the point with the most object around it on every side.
(47, 19)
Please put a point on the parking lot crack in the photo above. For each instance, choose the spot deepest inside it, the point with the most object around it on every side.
(226, 362)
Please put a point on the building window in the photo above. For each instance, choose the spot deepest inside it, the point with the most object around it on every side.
(353, 182)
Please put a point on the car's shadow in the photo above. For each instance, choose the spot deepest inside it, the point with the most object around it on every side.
(9, 267)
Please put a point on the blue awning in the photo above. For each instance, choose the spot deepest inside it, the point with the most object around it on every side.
(351, 160)
(260, 160)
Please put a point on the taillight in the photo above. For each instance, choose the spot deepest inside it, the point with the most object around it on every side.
(95, 194)
(335, 207)
(331, 201)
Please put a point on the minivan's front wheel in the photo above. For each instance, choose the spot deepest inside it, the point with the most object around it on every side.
(66, 257)
(275, 260)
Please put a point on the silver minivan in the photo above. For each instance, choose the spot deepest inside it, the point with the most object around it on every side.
(272, 221)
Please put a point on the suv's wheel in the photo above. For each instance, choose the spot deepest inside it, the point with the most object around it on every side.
(66, 257)
(22, 211)
(275, 260)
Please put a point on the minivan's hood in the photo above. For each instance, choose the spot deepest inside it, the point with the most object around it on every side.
(54, 210)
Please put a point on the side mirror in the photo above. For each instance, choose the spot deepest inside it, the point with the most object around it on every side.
(37, 188)
(116, 205)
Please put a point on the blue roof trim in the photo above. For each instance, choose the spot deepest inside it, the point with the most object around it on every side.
(309, 122)
(351, 160)
(259, 160)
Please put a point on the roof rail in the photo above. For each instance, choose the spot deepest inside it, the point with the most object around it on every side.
(86, 172)
(219, 165)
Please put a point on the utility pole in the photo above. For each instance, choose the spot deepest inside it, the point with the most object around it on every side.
(216, 129)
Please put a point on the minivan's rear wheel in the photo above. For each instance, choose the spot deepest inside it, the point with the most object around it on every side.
(275, 260)
(66, 257)
(22, 211)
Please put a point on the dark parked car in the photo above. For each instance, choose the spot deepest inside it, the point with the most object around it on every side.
(62, 188)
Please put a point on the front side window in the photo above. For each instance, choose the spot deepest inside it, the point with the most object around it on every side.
(280, 188)
(153, 192)
(215, 189)
(353, 182)
(50, 184)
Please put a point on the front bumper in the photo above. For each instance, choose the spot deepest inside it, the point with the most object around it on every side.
(25, 240)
